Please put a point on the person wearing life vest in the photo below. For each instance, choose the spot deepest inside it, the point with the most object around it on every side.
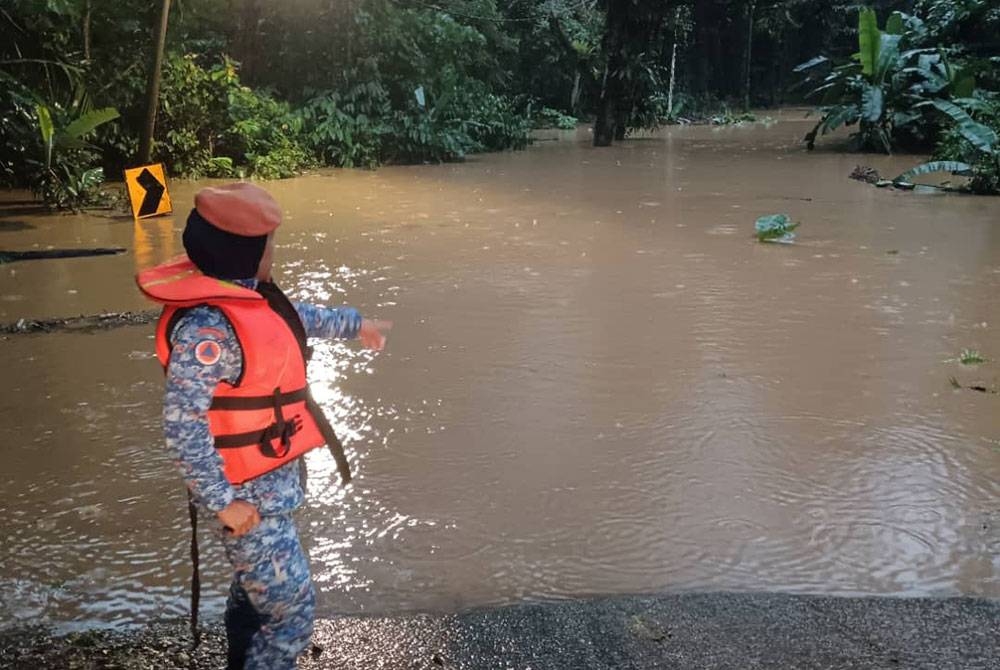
(238, 414)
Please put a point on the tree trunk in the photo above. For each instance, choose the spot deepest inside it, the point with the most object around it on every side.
(746, 89)
(248, 27)
(574, 97)
(153, 90)
(673, 71)
(607, 107)
(349, 27)
(703, 60)
(604, 125)
(86, 30)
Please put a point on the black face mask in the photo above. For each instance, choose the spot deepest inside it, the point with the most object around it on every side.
(220, 254)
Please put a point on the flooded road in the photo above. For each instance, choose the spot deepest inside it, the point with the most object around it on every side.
(598, 382)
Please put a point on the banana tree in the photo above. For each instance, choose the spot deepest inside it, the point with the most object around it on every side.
(982, 147)
(61, 178)
(882, 88)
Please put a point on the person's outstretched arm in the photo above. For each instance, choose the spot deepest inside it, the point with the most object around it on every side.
(344, 323)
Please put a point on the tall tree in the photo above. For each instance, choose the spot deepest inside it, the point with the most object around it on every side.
(750, 9)
(632, 48)
(153, 90)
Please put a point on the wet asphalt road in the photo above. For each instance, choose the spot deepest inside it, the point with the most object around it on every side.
(711, 631)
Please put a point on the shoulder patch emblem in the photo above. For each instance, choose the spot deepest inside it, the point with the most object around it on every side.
(208, 352)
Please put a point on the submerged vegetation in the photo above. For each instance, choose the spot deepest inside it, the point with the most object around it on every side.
(249, 88)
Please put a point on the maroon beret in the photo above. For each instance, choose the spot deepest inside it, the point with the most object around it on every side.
(242, 209)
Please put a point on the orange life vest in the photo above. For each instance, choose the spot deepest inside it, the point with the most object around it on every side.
(267, 417)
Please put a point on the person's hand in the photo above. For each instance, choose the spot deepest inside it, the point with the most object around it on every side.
(240, 517)
(372, 333)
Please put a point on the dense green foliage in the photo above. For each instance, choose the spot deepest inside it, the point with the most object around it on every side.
(268, 89)
(210, 123)
(973, 140)
(915, 84)
(387, 83)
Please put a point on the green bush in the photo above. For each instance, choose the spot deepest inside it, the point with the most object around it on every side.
(547, 117)
(496, 124)
(360, 125)
(345, 128)
(211, 125)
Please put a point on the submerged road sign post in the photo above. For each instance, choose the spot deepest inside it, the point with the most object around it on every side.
(147, 191)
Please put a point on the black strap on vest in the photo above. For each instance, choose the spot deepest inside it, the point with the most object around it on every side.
(281, 428)
(259, 402)
(332, 441)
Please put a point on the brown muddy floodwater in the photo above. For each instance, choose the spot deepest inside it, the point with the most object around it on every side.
(598, 382)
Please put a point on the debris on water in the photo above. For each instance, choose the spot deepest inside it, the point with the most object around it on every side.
(85, 323)
(775, 228)
(11, 256)
(867, 174)
(981, 388)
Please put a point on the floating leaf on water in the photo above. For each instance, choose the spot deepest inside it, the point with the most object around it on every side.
(954, 167)
(775, 228)
(970, 357)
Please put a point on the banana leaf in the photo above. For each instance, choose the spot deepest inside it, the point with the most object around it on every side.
(47, 129)
(811, 63)
(982, 137)
(775, 228)
(86, 123)
(872, 100)
(825, 86)
(902, 119)
(833, 118)
(910, 53)
(895, 24)
(869, 40)
(972, 104)
(843, 115)
(954, 167)
(888, 54)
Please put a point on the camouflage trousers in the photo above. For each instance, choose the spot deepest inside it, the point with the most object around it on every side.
(269, 614)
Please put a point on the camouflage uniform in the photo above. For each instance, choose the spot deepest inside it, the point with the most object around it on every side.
(269, 614)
